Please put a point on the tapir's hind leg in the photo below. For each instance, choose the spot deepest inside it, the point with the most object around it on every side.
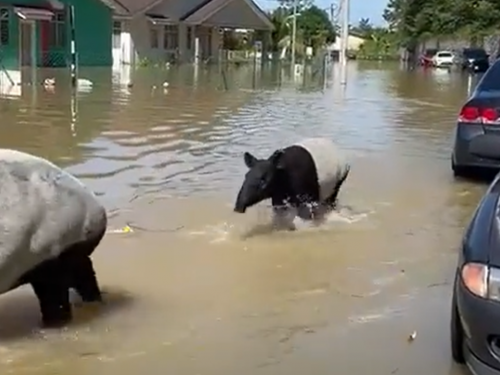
(80, 270)
(51, 288)
(82, 277)
(331, 201)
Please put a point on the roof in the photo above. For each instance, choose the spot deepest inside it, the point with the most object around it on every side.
(197, 14)
(130, 7)
(207, 8)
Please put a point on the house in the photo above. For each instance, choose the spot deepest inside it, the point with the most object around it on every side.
(353, 43)
(36, 32)
(184, 30)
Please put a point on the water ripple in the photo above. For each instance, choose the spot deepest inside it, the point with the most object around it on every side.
(192, 140)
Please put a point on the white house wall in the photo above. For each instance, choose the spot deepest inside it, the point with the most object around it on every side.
(140, 36)
(353, 43)
(136, 42)
(136, 38)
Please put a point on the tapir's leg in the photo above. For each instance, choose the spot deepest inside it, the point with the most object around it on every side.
(82, 276)
(51, 288)
(283, 215)
(80, 270)
(331, 201)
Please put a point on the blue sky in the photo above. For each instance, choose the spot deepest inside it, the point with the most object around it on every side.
(371, 9)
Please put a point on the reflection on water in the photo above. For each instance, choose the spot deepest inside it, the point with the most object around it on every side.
(192, 292)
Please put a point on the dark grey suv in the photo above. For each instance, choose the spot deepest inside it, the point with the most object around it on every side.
(474, 60)
(477, 133)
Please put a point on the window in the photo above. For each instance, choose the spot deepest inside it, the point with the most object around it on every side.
(170, 37)
(153, 35)
(474, 53)
(490, 82)
(444, 54)
(57, 36)
(117, 32)
(4, 26)
(189, 37)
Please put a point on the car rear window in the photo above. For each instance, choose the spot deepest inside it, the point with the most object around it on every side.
(444, 54)
(491, 79)
(474, 53)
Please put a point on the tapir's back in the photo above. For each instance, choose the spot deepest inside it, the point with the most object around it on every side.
(331, 164)
(44, 211)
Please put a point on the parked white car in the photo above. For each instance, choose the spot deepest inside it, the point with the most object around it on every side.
(443, 59)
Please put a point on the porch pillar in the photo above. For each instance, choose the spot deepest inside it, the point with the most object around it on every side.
(127, 44)
(197, 45)
(197, 50)
(34, 45)
(183, 48)
(215, 44)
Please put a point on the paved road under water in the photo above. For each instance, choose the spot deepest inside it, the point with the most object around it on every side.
(197, 289)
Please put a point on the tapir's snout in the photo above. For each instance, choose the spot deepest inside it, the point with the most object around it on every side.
(240, 205)
(240, 210)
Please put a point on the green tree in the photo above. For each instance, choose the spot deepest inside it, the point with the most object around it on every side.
(364, 28)
(417, 20)
(315, 27)
(281, 19)
(380, 44)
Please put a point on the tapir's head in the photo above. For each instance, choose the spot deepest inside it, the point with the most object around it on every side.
(260, 180)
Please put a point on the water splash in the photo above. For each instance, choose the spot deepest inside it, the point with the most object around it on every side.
(221, 232)
(225, 231)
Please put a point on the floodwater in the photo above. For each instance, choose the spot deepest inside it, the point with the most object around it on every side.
(195, 289)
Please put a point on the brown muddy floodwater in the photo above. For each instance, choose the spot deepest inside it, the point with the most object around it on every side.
(191, 291)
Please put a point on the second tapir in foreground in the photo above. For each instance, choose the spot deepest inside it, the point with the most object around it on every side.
(306, 176)
(50, 225)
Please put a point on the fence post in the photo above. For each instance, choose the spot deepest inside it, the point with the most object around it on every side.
(74, 57)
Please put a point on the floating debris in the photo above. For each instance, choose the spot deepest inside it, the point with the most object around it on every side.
(125, 229)
(413, 336)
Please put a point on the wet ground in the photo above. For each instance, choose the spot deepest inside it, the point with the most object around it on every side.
(197, 289)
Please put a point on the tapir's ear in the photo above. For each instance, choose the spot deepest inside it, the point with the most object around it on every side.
(250, 160)
(275, 158)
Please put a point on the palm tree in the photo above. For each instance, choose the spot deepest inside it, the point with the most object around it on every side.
(281, 35)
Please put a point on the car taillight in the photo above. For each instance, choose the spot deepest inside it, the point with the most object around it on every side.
(479, 115)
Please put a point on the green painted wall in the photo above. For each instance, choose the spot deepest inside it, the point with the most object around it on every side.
(93, 30)
(93, 26)
(9, 53)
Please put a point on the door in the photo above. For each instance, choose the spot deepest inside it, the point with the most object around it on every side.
(205, 36)
(117, 43)
(26, 42)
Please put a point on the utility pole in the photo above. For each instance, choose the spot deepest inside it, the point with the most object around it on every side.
(294, 33)
(344, 41)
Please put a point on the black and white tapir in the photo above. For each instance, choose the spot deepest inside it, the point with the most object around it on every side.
(50, 224)
(306, 176)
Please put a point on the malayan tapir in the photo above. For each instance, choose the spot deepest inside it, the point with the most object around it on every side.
(50, 224)
(306, 177)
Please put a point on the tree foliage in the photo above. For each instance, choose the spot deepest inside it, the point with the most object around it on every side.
(314, 27)
(380, 43)
(416, 20)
